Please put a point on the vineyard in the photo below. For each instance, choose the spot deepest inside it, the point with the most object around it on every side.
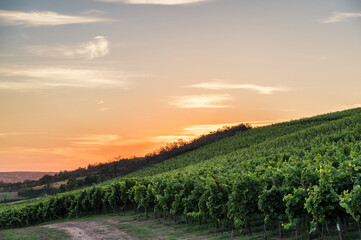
(301, 177)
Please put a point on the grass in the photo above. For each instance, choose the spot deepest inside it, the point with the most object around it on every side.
(33, 234)
(137, 227)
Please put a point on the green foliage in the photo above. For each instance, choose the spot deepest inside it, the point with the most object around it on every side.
(243, 200)
(261, 170)
(271, 203)
(352, 202)
(295, 207)
(323, 201)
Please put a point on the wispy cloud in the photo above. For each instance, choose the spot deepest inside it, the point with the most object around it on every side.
(38, 18)
(97, 139)
(98, 47)
(169, 138)
(196, 130)
(341, 17)
(23, 78)
(108, 140)
(201, 101)
(93, 11)
(226, 85)
(155, 2)
(356, 105)
(13, 134)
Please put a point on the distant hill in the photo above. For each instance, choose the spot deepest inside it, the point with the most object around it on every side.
(13, 177)
(14, 181)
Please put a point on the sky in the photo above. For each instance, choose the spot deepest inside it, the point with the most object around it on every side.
(89, 81)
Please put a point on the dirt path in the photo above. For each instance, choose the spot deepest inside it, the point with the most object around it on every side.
(90, 230)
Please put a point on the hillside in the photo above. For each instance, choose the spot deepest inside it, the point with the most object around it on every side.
(297, 175)
(49, 184)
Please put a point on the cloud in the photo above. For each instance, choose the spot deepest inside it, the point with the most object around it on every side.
(201, 101)
(169, 138)
(13, 134)
(356, 105)
(93, 11)
(43, 18)
(97, 139)
(107, 140)
(225, 86)
(98, 47)
(155, 2)
(341, 17)
(23, 78)
(197, 130)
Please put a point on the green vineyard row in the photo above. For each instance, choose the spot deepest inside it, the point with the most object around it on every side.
(300, 174)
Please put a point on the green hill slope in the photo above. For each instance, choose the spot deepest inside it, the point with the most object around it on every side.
(301, 174)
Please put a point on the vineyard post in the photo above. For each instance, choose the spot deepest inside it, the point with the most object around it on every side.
(328, 230)
(248, 225)
(307, 215)
(264, 231)
(146, 212)
(340, 228)
(279, 222)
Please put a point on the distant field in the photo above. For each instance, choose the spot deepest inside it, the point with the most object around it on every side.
(13, 177)
(53, 185)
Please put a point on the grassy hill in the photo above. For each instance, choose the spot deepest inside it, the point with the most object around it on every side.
(295, 177)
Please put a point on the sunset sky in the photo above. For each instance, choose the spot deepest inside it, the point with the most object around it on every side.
(85, 81)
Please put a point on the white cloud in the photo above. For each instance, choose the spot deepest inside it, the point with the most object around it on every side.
(225, 85)
(93, 11)
(156, 2)
(23, 78)
(201, 101)
(39, 18)
(341, 17)
(98, 47)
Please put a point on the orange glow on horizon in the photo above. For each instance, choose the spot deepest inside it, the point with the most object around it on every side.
(95, 149)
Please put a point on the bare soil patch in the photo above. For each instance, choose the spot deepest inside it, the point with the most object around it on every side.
(90, 230)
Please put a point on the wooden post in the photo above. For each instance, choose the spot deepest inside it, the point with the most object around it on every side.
(248, 225)
(146, 213)
(340, 228)
(309, 237)
(280, 229)
(264, 231)
(328, 230)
